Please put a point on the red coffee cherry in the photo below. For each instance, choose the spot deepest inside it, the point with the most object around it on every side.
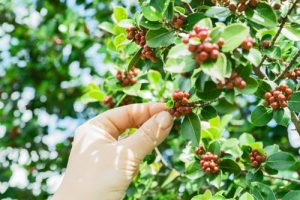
(109, 101)
(199, 150)
(253, 3)
(278, 98)
(178, 21)
(127, 78)
(265, 44)
(148, 53)
(247, 44)
(232, 7)
(181, 104)
(242, 7)
(276, 6)
(256, 158)
(209, 163)
(293, 75)
(137, 35)
(234, 81)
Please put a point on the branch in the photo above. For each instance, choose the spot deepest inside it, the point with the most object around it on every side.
(258, 72)
(284, 20)
(189, 8)
(164, 162)
(288, 67)
(296, 121)
(282, 178)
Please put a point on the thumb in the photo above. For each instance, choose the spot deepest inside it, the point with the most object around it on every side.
(150, 134)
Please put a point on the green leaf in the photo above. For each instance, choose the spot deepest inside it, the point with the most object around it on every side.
(218, 12)
(251, 86)
(231, 146)
(206, 196)
(126, 23)
(261, 115)
(215, 34)
(246, 139)
(119, 13)
(210, 91)
(271, 149)
(192, 19)
(107, 26)
(151, 13)
(154, 10)
(171, 177)
(154, 77)
(291, 33)
(263, 15)
(119, 39)
(280, 161)
(214, 147)
(134, 59)
(149, 24)
(261, 191)
(263, 87)
(292, 195)
(294, 102)
(208, 112)
(206, 22)
(246, 196)
(190, 128)
(253, 55)
(233, 36)
(159, 38)
(229, 165)
(180, 59)
(217, 70)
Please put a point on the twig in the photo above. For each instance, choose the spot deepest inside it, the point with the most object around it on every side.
(259, 73)
(288, 67)
(282, 178)
(188, 6)
(284, 20)
(164, 162)
(296, 121)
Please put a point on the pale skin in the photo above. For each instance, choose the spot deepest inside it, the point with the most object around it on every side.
(100, 165)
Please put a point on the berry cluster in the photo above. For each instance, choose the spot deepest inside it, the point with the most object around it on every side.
(109, 101)
(256, 158)
(199, 150)
(209, 163)
(278, 98)
(127, 78)
(178, 21)
(234, 81)
(181, 104)
(148, 53)
(127, 101)
(205, 50)
(293, 75)
(137, 35)
(240, 5)
(247, 43)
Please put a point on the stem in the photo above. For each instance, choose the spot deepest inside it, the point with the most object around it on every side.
(288, 67)
(282, 178)
(296, 121)
(189, 8)
(258, 72)
(164, 162)
(284, 20)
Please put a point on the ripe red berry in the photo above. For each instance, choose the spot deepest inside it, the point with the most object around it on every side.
(214, 54)
(276, 6)
(221, 42)
(266, 43)
(268, 95)
(232, 7)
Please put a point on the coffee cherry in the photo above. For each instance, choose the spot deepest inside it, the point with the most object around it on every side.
(266, 43)
(127, 78)
(137, 35)
(127, 101)
(293, 75)
(209, 163)
(234, 81)
(148, 53)
(276, 6)
(181, 104)
(253, 3)
(178, 21)
(232, 7)
(256, 158)
(277, 98)
(242, 7)
(247, 44)
(221, 42)
(108, 101)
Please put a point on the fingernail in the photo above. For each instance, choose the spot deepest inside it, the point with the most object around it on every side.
(164, 119)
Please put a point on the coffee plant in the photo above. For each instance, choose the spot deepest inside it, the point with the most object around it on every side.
(228, 70)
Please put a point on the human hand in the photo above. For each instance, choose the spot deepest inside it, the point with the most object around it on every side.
(100, 166)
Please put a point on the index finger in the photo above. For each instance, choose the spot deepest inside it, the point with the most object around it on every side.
(117, 120)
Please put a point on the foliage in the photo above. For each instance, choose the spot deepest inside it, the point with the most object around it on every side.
(228, 120)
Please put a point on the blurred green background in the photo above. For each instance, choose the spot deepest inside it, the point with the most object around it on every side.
(50, 50)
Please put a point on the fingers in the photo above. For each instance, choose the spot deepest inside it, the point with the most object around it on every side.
(117, 120)
(150, 134)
